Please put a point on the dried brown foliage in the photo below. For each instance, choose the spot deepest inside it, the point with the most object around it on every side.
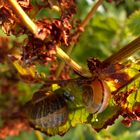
(35, 50)
(13, 128)
(8, 20)
(3, 48)
(7, 17)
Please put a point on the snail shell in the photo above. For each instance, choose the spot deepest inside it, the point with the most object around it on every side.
(47, 110)
(96, 96)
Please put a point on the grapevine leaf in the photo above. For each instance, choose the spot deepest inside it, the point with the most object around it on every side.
(134, 23)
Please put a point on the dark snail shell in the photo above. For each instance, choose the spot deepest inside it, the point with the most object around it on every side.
(96, 96)
(47, 110)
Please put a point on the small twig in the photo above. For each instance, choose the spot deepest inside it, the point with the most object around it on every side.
(87, 19)
(34, 29)
(38, 135)
(123, 53)
(62, 63)
(90, 14)
(78, 31)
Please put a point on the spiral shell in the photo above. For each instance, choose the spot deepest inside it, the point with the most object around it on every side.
(47, 110)
(96, 96)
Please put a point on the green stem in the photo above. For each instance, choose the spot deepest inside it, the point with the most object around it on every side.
(62, 64)
(23, 16)
(38, 135)
(61, 54)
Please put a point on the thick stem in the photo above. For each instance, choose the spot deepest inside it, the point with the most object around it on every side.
(123, 53)
(23, 16)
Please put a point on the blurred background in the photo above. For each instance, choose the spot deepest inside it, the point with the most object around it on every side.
(113, 26)
(82, 132)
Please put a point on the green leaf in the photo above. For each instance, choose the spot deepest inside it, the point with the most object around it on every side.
(134, 23)
(120, 100)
